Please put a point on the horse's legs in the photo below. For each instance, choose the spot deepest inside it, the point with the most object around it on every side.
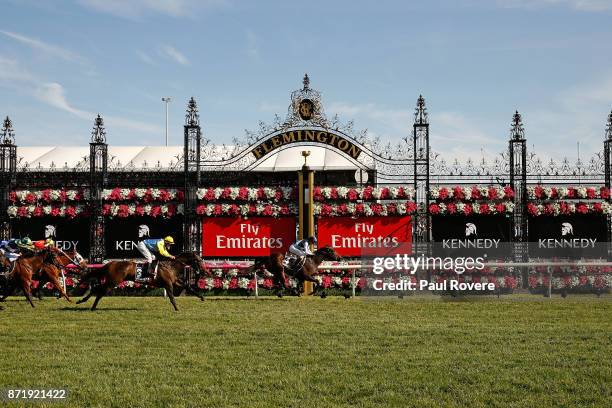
(10, 289)
(100, 292)
(41, 282)
(27, 291)
(191, 291)
(59, 287)
(170, 293)
(306, 277)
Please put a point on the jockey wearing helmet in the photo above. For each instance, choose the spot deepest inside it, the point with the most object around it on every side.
(10, 249)
(301, 249)
(149, 248)
(43, 244)
(25, 245)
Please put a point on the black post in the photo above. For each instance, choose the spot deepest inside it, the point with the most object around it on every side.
(421, 225)
(192, 229)
(517, 147)
(608, 171)
(98, 167)
(8, 168)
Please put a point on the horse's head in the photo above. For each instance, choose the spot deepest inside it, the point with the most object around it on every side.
(328, 254)
(70, 257)
(195, 261)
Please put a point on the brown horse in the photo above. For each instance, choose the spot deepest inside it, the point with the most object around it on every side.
(169, 276)
(51, 269)
(302, 272)
(21, 275)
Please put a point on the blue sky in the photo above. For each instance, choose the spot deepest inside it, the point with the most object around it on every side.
(475, 61)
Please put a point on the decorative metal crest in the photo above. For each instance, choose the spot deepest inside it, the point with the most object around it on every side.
(8, 134)
(98, 134)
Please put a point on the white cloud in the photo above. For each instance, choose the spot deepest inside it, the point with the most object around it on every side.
(174, 54)
(582, 5)
(134, 9)
(49, 49)
(144, 57)
(53, 94)
(11, 70)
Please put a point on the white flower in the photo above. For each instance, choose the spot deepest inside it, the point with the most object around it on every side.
(12, 211)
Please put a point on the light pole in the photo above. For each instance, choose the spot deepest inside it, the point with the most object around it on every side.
(167, 100)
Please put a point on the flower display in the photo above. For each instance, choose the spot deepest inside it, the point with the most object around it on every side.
(507, 281)
(461, 208)
(133, 209)
(36, 210)
(471, 193)
(597, 281)
(367, 209)
(142, 194)
(540, 192)
(563, 208)
(367, 193)
(246, 194)
(262, 209)
(48, 196)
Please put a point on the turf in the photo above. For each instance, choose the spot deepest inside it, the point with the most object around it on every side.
(311, 352)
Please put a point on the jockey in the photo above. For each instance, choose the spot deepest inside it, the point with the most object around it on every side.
(42, 244)
(301, 249)
(25, 245)
(10, 249)
(151, 247)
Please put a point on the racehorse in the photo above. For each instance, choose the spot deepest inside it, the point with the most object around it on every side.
(302, 272)
(168, 277)
(51, 269)
(45, 265)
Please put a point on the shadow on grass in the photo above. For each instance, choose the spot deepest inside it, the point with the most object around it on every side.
(103, 309)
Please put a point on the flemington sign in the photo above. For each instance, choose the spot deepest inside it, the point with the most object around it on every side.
(298, 136)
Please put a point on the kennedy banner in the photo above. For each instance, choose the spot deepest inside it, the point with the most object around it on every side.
(568, 236)
(67, 233)
(122, 235)
(251, 237)
(364, 235)
(475, 235)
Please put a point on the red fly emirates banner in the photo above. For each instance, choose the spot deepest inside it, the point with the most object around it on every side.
(364, 235)
(255, 236)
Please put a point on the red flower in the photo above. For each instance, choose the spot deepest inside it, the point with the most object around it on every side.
(597, 208)
(538, 191)
(510, 281)
(443, 193)
(226, 193)
(217, 283)
(164, 195)
(352, 195)
(582, 208)
(30, 198)
(202, 283)
(267, 210)
(508, 192)
(333, 194)
(391, 209)
(604, 193)
(467, 210)
(180, 195)
(326, 210)
(46, 195)
(55, 211)
(434, 209)
(278, 195)
(475, 193)
(376, 208)
(106, 209)
(123, 211)
(201, 209)
(209, 195)
(484, 209)
(233, 283)
(385, 193)
(171, 210)
(458, 193)
(548, 209)
(366, 194)
(564, 208)
(261, 194)
(70, 211)
(583, 280)
(139, 210)
(359, 209)
(217, 210)
(284, 210)
(13, 196)
(38, 212)
(451, 208)
(342, 209)
(155, 211)
(590, 192)
(531, 209)
(243, 193)
(411, 207)
(401, 193)
(316, 193)
(326, 281)
(234, 209)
